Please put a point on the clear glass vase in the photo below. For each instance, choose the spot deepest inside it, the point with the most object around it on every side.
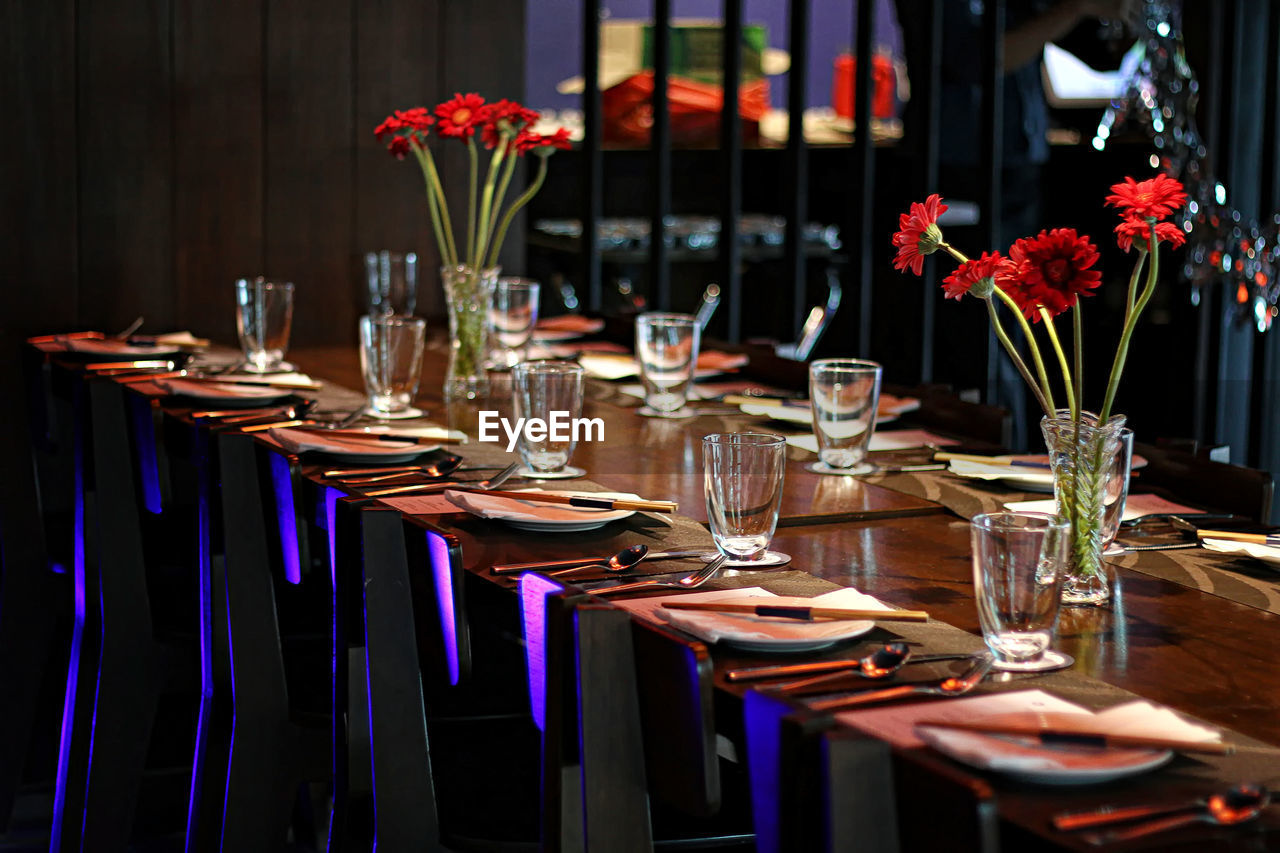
(1082, 457)
(468, 293)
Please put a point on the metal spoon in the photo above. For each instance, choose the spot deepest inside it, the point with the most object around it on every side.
(692, 581)
(433, 470)
(482, 486)
(878, 665)
(620, 562)
(1235, 806)
(1243, 793)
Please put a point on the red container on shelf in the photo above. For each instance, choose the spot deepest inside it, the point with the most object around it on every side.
(883, 84)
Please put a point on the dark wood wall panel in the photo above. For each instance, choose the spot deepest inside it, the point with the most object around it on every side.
(396, 67)
(310, 168)
(126, 162)
(218, 158)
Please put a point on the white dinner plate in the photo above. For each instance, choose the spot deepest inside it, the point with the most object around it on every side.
(540, 517)
(768, 634)
(1027, 759)
(349, 448)
(109, 349)
(1015, 477)
(227, 394)
(1268, 554)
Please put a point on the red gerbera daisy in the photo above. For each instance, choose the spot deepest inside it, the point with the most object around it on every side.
(1153, 198)
(460, 115)
(918, 234)
(1132, 229)
(1051, 270)
(408, 124)
(527, 141)
(976, 276)
(514, 115)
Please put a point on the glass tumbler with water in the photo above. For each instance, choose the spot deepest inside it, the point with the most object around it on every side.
(844, 394)
(667, 350)
(391, 360)
(392, 279)
(743, 474)
(512, 316)
(550, 391)
(264, 317)
(1018, 564)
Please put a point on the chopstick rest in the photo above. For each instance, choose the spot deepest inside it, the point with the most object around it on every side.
(587, 501)
(1052, 736)
(808, 614)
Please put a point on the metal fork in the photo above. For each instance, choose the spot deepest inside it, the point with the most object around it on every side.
(947, 687)
(481, 486)
(692, 581)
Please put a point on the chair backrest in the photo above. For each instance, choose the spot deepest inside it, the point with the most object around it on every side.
(943, 808)
(1185, 476)
(444, 639)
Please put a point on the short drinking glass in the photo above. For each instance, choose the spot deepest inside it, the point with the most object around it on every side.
(512, 316)
(844, 394)
(264, 316)
(392, 279)
(743, 483)
(550, 391)
(1018, 564)
(667, 349)
(391, 360)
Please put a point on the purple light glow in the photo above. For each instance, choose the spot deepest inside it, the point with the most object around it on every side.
(442, 570)
(144, 429)
(331, 497)
(286, 519)
(534, 589)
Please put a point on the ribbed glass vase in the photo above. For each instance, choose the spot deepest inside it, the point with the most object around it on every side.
(468, 293)
(1082, 456)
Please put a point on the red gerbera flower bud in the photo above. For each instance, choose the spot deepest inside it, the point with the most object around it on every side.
(1154, 198)
(974, 276)
(1132, 229)
(1050, 270)
(918, 234)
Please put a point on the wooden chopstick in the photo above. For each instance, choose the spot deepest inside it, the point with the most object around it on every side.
(1233, 536)
(1086, 737)
(942, 456)
(588, 500)
(801, 612)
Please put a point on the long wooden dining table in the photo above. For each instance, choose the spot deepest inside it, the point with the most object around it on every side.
(1203, 655)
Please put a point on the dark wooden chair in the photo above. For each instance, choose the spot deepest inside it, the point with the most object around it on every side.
(942, 410)
(135, 642)
(1187, 477)
(941, 807)
(279, 646)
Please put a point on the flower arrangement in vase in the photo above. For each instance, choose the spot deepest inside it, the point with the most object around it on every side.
(1038, 279)
(469, 262)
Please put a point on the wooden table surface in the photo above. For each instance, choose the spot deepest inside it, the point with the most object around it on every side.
(1194, 652)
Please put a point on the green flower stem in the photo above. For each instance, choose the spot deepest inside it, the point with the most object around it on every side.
(520, 202)
(1046, 395)
(486, 201)
(953, 252)
(472, 258)
(434, 208)
(1017, 359)
(448, 248)
(1133, 282)
(1078, 353)
(1131, 321)
(1062, 362)
(507, 171)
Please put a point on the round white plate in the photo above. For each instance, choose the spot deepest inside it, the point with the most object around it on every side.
(109, 349)
(1268, 554)
(348, 449)
(1015, 477)
(566, 526)
(1029, 760)
(747, 637)
(226, 395)
(571, 520)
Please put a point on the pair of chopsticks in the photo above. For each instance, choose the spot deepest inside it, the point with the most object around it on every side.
(1065, 737)
(990, 460)
(587, 501)
(1272, 539)
(808, 614)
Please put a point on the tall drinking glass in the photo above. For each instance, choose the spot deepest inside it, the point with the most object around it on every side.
(1117, 489)
(743, 475)
(1018, 564)
(844, 394)
(667, 350)
(392, 279)
(550, 391)
(264, 317)
(391, 360)
(512, 316)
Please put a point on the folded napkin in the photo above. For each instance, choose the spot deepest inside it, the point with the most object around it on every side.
(898, 439)
(609, 365)
(181, 339)
(320, 441)
(267, 378)
(1266, 553)
(425, 431)
(983, 471)
(571, 323)
(493, 506)
(897, 405)
(721, 361)
(713, 627)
